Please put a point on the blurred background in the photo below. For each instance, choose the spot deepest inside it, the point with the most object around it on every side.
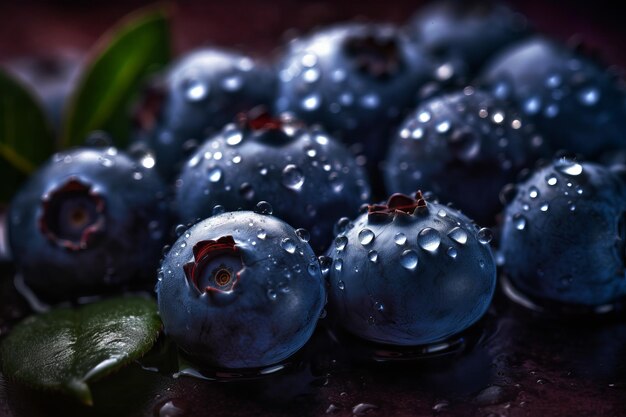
(258, 27)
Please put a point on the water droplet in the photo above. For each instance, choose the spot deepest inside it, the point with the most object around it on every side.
(288, 245)
(428, 239)
(452, 252)
(271, 294)
(519, 221)
(303, 234)
(195, 90)
(218, 209)
(292, 177)
(215, 174)
(338, 265)
(263, 207)
(180, 229)
(485, 235)
(379, 306)
(233, 137)
(568, 167)
(533, 192)
(341, 285)
(551, 180)
(423, 117)
(232, 83)
(363, 408)
(341, 242)
(372, 256)
(458, 235)
(312, 268)
(366, 236)
(408, 259)
(400, 239)
(532, 105)
(261, 234)
(544, 207)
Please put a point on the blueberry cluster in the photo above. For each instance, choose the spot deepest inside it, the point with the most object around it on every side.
(323, 153)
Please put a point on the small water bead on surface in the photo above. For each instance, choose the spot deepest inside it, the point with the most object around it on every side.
(338, 265)
(429, 239)
(544, 207)
(233, 137)
(218, 209)
(325, 264)
(303, 234)
(409, 259)
(312, 268)
(311, 102)
(272, 295)
(215, 174)
(232, 83)
(519, 221)
(366, 236)
(551, 180)
(441, 213)
(533, 192)
(180, 229)
(452, 252)
(485, 235)
(341, 242)
(263, 207)
(341, 285)
(399, 239)
(292, 177)
(458, 235)
(568, 167)
(261, 234)
(195, 90)
(372, 256)
(288, 245)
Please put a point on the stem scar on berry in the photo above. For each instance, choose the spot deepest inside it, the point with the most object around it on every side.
(397, 204)
(73, 215)
(216, 266)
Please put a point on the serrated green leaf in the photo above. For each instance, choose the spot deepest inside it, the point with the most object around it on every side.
(26, 139)
(65, 349)
(125, 56)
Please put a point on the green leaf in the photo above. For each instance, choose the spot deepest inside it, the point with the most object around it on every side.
(125, 56)
(26, 139)
(65, 349)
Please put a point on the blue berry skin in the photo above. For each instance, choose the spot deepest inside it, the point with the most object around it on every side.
(200, 93)
(354, 79)
(88, 221)
(410, 272)
(309, 179)
(564, 233)
(572, 99)
(250, 300)
(464, 146)
(467, 32)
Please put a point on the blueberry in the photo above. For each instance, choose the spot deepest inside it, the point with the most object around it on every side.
(240, 290)
(309, 179)
(356, 80)
(571, 98)
(564, 235)
(465, 147)
(200, 93)
(410, 272)
(86, 222)
(466, 33)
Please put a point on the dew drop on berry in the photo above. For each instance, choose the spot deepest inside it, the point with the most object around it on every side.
(399, 239)
(180, 229)
(544, 206)
(428, 239)
(533, 192)
(288, 245)
(312, 268)
(589, 96)
(215, 174)
(551, 180)
(303, 234)
(366, 236)
(233, 137)
(458, 235)
(261, 234)
(568, 167)
(218, 209)
(408, 259)
(452, 252)
(485, 235)
(372, 256)
(325, 263)
(519, 221)
(311, 102)
(341, 285)
(195, 90)
(338, 265)
(271, 294)
(379, 306)
(263, 207)
(341, 242)
(292, 177)
(232, 83)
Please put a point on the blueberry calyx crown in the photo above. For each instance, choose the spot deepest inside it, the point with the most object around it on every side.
(73, 215)
(216, 265)
(397, 204)
(266, 127)
(374, 54)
